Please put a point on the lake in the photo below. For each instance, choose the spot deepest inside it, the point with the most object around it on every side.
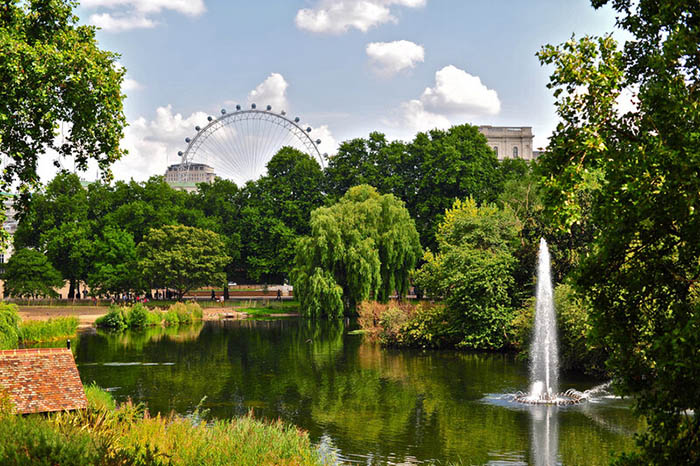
(372, 405)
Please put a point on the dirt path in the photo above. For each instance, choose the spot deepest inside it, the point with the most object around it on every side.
(86, 314)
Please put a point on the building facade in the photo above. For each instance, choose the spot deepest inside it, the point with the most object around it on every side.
(197, 173)
(510, 142)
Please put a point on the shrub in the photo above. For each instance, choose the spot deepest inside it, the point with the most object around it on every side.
(403, 324)
(171, 318)
(46, 330)
(116, 319)
(186, 313)
(576, 352)
(9, 326)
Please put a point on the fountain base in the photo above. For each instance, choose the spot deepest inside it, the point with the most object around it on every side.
(569, 397)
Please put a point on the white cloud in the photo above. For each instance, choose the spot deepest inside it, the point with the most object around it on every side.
(120, 23)
(136, 14)
(389, 58)
(339, 16)
(328, 145)
(457, 91)
(131, 85)
(456, 95)
(272, 91)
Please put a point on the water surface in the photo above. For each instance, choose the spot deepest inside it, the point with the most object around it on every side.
(376, 406)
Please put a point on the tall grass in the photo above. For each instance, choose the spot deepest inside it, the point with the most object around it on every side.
(33, 331)
(128, 435)
(139, 316)
(9, 321)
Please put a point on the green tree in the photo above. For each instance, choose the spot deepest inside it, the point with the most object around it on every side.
(56, 222)
(54, 77)
(473, 272)
(362, 247)
(29, 273)
(428, 173)
(182, 258)
(114, 264)
(633, 176)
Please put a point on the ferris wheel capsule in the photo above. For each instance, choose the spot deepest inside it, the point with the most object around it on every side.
(269, 107)
(223, 111)
(318, 141)
(187, 140)
(308, 129)
(179, 153)
(296, 120)
(197, 128)
(238, 108)
(283, 113)
(252, 106)
(209, 118)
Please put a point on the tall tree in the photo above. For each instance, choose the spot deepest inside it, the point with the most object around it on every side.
(55, 82)
(634, 176)
(182, 258)
(362, 247)
(114, 264)
(30, 274)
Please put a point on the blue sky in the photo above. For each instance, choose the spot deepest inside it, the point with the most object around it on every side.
(430, 63)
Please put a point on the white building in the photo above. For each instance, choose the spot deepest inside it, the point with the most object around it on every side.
(510, 142)
(180, 178)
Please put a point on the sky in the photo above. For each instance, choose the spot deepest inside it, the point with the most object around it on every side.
(346, 67)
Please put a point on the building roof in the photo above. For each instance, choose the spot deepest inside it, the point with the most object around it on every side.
(41, 380)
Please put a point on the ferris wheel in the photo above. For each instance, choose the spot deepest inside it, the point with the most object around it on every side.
(238, 145)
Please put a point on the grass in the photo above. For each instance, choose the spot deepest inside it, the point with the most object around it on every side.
(125, 434)
(268, 307)
(139, 316)
(34, 331)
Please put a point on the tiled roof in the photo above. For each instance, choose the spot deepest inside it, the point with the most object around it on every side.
(41, 380)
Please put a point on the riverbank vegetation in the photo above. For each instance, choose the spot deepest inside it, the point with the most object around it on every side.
(110, 434)
(139, 316)
(14, 332)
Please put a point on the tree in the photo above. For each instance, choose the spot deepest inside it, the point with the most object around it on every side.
(55, 76)
(182, 258)
(428, 173)
(633, 176)
(362, 247)
(473, 272)
(56, 222)
(29, 273)
(114, 264)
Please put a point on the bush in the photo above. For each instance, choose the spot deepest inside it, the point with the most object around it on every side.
(402, 324)
(171, 318)
(115, 319)
(186, 313)
(47, 330)
(576, 352)
(9, 326)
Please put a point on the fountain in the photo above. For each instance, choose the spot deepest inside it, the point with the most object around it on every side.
(544, 358)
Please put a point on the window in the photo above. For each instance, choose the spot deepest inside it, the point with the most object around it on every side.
(495, 149)
(515, 151)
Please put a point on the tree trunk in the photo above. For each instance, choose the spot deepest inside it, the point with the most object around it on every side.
(226, 292)
(71, 289)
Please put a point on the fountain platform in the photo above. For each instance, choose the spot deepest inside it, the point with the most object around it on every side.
(569, 397)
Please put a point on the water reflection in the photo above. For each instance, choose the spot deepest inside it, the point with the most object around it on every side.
(544, 435)
(375, 406)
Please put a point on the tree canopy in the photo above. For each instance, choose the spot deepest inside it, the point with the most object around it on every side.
(29, 273)
(182, 258)
(362, 247)
(633, 176)
(60, 91)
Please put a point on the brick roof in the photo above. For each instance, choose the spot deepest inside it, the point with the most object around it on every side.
(41, 380)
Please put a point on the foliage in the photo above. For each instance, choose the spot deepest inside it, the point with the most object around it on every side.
(28, 273)
(577, 351)
(115, 265)
(473, 272)
(366, 244)
(140, 316)
(403, 324)
(9, 326)
(183, 313)
(33, 331)
(55, 76)
(182, 258)
(116, 318)
(637, 171)
(427, 174)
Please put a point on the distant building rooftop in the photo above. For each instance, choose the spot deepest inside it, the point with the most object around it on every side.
(41, 380)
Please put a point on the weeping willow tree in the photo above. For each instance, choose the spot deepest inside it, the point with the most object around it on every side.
(362, 247)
